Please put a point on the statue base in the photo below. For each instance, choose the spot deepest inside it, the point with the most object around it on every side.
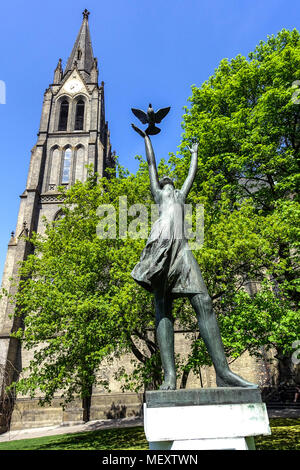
(204, 419)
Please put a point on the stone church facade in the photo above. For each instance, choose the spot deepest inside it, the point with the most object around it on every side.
(73, 133)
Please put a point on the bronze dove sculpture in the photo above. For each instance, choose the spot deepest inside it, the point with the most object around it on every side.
(151, 118)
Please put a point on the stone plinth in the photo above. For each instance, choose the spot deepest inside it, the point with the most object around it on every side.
(213, 418)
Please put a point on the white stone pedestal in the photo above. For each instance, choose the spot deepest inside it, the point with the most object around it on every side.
(174, 422)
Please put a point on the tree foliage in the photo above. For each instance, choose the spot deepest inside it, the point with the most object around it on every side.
(79, 303)
(247, 120)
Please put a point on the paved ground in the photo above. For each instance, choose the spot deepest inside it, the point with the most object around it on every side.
(109, 424)
(284, 413)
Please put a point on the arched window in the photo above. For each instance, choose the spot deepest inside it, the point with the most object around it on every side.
(66, 166)
(54, 169)
(79, 116)
(63, 116)
(79, 168)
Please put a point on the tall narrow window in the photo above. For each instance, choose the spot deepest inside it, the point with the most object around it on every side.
(79, 115)
(66, 166)
(55, 163)
(80, 154)
(63, 116)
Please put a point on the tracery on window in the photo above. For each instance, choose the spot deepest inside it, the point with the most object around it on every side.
(66, 166)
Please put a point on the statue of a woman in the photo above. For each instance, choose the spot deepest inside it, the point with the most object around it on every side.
(168, 269)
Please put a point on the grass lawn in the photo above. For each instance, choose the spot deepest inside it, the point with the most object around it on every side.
(285, 436)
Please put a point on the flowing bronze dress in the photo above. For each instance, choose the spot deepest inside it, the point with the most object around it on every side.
(167, 264)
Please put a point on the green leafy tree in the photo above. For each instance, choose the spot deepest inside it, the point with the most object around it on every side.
(246, 117)
(78, 301)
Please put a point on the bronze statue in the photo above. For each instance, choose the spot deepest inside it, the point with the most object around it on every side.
(168, 269)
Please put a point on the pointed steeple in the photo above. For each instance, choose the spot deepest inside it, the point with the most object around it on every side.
(82, 52)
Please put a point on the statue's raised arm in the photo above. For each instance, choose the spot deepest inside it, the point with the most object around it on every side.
(154, 181)
(192, 171)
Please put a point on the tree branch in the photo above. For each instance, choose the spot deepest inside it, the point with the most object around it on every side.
(137, 352)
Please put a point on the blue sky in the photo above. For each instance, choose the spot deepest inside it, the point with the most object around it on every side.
(147, 52)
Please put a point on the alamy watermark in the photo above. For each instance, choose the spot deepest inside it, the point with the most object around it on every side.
(182, 222)
(2, 92)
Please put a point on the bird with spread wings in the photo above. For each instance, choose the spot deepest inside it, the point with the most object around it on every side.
(151, 118)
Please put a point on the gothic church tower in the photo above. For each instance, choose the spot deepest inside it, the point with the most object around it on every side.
(73, 133)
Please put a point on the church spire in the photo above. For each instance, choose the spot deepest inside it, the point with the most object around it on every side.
(82, 52)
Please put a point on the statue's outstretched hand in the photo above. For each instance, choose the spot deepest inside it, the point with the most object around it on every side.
(194, 147)
(139, 131)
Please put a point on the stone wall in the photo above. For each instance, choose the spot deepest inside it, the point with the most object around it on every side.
(117, 404)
